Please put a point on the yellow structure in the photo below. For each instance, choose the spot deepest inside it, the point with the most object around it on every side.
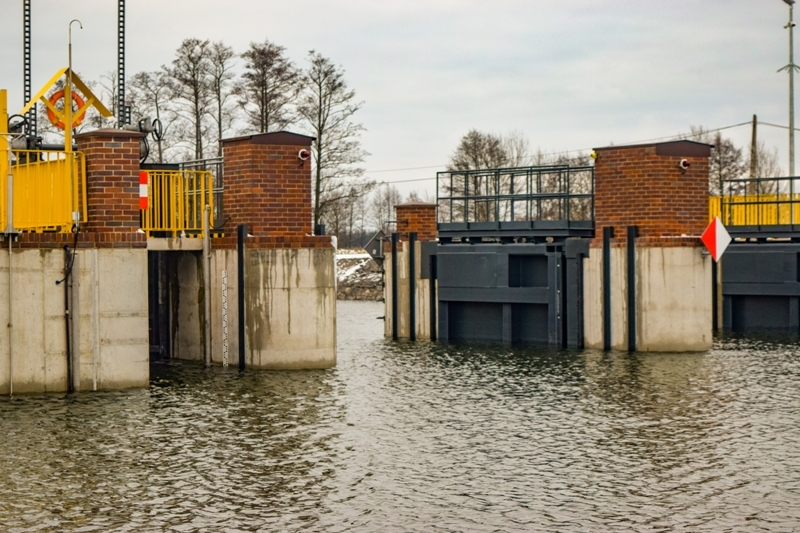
(176, 199)
(46, 187)
(755, 209)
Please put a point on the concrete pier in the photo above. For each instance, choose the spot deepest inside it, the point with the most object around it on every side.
(110, 279)
(644, 186)
(290, 281)
(418, 218)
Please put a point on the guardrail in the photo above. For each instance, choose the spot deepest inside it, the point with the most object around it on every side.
(47, 188)
(547, 193)
(176, 199)
(755, 210)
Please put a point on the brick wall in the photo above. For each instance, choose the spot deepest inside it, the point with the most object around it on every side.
(112, 195)
(267, 186)
(419, 217)
(644, 186)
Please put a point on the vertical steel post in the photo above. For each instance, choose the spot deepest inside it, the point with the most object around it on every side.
(412, 286)
(608, 233)
(395, 240)
(207, 284)
(241, 233)
(121, 114)
(633, 232)
(26, 65)
(433, 297)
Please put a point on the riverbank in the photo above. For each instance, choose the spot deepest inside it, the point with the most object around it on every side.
(359, 277)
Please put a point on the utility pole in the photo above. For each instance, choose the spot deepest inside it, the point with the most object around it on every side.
(753, 157)
(754, 150)
(791, 67)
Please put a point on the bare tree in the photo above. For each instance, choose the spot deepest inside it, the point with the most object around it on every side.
(327, 107)
(726, 162)
(766, 166)
(517, 149)
(190, 71)
(381, 208)
(478, 150)
(151, 96)
(221, 77)
(269, 86)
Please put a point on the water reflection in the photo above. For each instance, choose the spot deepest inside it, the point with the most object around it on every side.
(420, 437)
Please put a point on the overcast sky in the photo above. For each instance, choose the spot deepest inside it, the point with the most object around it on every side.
(570, 74)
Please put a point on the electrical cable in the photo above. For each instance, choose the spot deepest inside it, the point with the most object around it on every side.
(73, 252)
(669, 137)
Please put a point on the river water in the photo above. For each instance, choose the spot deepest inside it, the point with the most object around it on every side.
(420, 437)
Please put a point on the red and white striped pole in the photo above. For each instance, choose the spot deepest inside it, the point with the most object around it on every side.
(143, 180)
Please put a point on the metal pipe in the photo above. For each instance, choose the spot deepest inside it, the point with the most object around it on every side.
(10, 323)
(241, 233)
(207, 284)
(412, 286)
(75, 317)
(633, 232)
(395, 240)
(68, 127)
(67, 325)
(608, 232)
(96, 316)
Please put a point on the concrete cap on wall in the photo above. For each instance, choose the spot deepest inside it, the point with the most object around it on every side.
(275, 137)
(416, 204)
(109, 132)
(681, 148)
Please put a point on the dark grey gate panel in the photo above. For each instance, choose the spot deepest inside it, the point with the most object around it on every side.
(475, 321)
(530, 323)
(760, 287)
(752, 313)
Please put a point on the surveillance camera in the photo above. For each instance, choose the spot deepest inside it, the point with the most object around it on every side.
(304, 155)
(684, 164)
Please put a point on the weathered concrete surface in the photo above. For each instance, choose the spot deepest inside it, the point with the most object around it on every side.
(114, 345)
(422, 326)
(187, 307)
(290, 308)
(673, 296)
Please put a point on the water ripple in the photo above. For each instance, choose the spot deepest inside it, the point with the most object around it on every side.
(420, 437)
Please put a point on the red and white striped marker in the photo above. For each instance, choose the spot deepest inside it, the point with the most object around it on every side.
(143, 179)
(716, 238)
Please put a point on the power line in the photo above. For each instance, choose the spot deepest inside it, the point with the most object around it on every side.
(669, 137)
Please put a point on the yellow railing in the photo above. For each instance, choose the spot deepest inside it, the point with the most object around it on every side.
(176, 199)
(755, 210)
(45, 192)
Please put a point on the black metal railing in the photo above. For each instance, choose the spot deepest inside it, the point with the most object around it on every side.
(551, 193)
(758, 202)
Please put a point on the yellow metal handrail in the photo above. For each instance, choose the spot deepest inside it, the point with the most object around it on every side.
(755, 209)
(176, 199)
(45, 192)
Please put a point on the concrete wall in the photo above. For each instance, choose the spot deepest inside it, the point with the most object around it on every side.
(113, 330)
(673, 296)
(290, 308)
(423, 320)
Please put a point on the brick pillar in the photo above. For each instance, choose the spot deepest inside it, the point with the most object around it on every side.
(644, 186)
(267, 185)
(659, 296)
(112, 183)
(417, 217)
